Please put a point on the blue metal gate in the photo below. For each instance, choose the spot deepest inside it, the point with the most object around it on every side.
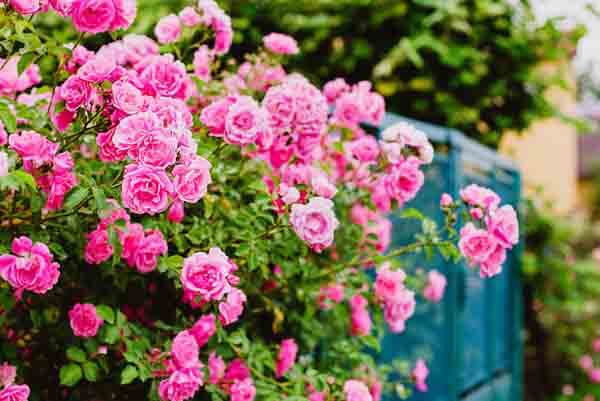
(472, 338)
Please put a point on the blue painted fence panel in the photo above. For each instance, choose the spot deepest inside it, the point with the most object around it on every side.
(471, 340)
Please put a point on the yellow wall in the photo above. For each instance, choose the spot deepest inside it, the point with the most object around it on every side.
(547, 152)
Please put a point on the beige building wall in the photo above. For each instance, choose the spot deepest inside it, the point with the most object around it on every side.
(547, 152)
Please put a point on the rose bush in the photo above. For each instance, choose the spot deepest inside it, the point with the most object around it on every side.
(174, 223)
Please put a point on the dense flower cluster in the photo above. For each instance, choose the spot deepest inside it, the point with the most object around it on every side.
(248, 193)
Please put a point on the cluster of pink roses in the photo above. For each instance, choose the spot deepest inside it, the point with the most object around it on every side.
(31, 267)
(84, 320)
(487, 246)
(398, 301)
(374, 224)
(11, 391)
(140, 248)
(209, 277)
(52, 171)
(10, 80)
(184, 368)
(279, 43)
(93, 16)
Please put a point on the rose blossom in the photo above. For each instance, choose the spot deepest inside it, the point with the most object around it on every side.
(360, 319)
(315, 222)
(146, 189)
(476, 195)
(25, 7)
(3, 164)
(164, 76)
(365, 149)
(401, 309)
(176, 212)
(356, 390)
(475, 244)
(148, 250)
(446, 200)
(436, 284)
(286, 357)
(7, 374)
(279, 43)
(75, 92)
(185, 350)
(204, 329)
(243, 390)
(168, 29)
(181, 385)
(231, 309)
(202, 60)
(190, 180)
(207, 275)
(237, 370)
(31, 269)
(93, 16)
(586, 362)
(216, 368)
(98, 69)
(389, 284)
(97, 248)
(404, 180)
(189, 17)
(419, 374)
(126, 97)
(15, 392)
(502, 223)
(84, 320)
(244, 121)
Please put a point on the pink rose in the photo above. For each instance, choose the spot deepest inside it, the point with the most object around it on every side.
(404, 180)
(7, 374)
(146, 189)
(232, 308)
(176, 212)
(126, 11)
(148, 250)
(3, 164)
(98, 69)
(476, 245)
(33, 148)
(419, 375)
(130, 239)
(164, 76)
(243, 390)
(168, 29)
(594, 375)
(286, 357)
(279, 43)
(216, 368)
(401, 309)
(202, 60)
(493, 264)
(181, 385)
(25, 7)
(586, 362)
(334, 89)
(476, 195)
(76, 93)
(237, 371)
(33, 269)
(436, 284)
(156, 149)
(191, 180)
(98, 249)
(15, 393)
(93, 16)
(204, 329)
(84, 320)
(127, 98)
(138, 47)
(389, 284)
(365, 149)
(502, 223)
(108, 151)
(356, 390)
(189, 17)
(446, 200)
(62, 7)
(315, 222)
(320, 183)
(207, 275)
(359, 317)
(332, 292)
(244, 121)
(376, 388)
(288, 194)
(132, 129)
(185, 350)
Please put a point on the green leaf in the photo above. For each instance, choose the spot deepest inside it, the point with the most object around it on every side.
(412, 213)
(129, 374)
(106, 313)
(111, 334)
(8, 118)
(70, 375)
(25, 61)
(75, 197)
(76, 354)
(100, 198)
(91, 371)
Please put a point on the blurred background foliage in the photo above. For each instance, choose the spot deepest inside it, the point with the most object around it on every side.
(467, 64)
